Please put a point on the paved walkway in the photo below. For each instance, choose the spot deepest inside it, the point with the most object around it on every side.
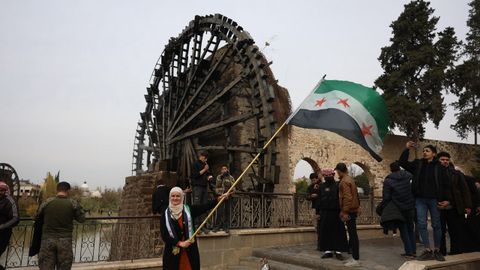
(380, 254)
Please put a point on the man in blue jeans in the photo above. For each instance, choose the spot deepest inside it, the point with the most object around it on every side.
(431, 192)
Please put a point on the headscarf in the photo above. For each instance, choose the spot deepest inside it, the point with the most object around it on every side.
(5, 186)
(328, 174)
(176, 210)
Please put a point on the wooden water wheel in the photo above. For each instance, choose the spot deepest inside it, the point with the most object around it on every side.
(211, 90)
(10, 177)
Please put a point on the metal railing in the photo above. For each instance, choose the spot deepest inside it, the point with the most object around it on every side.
(128, 238)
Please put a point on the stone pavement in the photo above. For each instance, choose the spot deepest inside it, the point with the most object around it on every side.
(379, 254)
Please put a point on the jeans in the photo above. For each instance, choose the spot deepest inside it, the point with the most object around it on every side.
(222, 220)
(407, 232)
(424, 205)
(353, 243)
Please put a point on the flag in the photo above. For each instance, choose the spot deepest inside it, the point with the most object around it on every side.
(351, 110)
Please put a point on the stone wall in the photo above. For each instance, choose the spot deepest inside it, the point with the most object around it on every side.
(326, 149)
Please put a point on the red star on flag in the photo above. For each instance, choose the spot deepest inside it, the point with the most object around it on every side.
(366, 130)
(320, 102)
(344, 102)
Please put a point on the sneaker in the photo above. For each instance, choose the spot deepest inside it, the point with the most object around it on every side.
(438, 256)
(408, 256)
(339, 256)
(426, 256)
(327, 255)
(352, 263)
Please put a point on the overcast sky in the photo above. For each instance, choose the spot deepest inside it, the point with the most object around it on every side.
(73, 73)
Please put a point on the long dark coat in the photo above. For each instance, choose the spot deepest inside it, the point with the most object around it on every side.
(332, 235)
(170, 261)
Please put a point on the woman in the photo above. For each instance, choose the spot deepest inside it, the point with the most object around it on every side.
(177, 227)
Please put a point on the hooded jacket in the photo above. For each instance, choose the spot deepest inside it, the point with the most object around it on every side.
(397, 188)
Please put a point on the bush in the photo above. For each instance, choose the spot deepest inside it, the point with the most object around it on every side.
(362, 181)
(301, 185)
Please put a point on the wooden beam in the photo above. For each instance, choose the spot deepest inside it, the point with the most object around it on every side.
(229, 148)
(206, 105)
(232, 120)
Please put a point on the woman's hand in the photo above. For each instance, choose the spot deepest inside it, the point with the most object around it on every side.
(184, 244)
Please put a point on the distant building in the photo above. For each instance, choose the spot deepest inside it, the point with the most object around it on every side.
(96, 194)
(85, 189)
(29, 189)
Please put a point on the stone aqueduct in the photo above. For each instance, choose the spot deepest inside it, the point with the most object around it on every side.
(322, 149)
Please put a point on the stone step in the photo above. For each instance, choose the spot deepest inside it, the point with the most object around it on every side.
(297, 260)
(251, 262)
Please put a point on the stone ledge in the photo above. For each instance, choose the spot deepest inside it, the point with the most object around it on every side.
(467, 260)
(155, 263)
(290, 230)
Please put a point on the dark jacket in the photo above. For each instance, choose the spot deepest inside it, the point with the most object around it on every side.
(170, 261)
(397, 188)
(416, 168)
(197, 178)
(459, 191)
(313, 189)
(8, 213)
(391, 216)
(474, 192)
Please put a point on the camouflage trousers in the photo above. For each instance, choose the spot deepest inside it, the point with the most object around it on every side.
(55, 253)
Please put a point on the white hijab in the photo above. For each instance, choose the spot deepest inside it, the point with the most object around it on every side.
(176, 210)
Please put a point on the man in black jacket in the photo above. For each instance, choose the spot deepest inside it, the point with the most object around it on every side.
(313, 191)
(453, 215)
(397, 189)
(429, 189)
(200, 180)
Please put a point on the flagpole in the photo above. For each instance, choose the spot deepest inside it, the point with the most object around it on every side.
(251, 163)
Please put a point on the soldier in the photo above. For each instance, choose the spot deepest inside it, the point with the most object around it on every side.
(224, 181)
(58, 214)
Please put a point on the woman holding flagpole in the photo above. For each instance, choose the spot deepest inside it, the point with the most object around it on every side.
(177, 227)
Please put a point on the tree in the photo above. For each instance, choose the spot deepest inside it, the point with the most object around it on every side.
(49, 187)
(301, 185)
(416, 69)
(466, 78)
(362, 181)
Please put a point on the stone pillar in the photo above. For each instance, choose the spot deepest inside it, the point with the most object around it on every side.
(139, 238)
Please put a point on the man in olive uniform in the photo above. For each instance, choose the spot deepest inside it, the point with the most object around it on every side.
(58, 214)
(224, 182)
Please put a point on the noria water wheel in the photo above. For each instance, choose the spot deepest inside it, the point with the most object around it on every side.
(211, 90)
(9, 176)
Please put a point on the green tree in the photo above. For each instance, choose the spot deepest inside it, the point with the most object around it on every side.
(467, 79)
(49, 187)
(301, 185)
(362, 181)
(416, 66)
(111, 199)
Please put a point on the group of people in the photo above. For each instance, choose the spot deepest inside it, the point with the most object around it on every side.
(431, 185)
(412, 190)
(336, 206)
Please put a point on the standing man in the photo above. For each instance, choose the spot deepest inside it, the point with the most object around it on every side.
(349, 205)
(224, 182)
(200, 178)
(333, 238)
(397, 189)
(429, 191)
(8, 217)
(58, 214)
(453, 216)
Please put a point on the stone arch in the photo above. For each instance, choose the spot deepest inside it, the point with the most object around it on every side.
(313, 164)
(368, 173)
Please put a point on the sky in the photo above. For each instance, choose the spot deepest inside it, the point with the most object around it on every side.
(73, 73)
